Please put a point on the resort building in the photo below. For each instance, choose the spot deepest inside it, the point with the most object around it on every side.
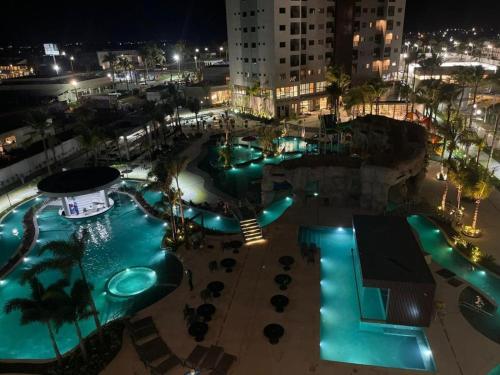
(280, 50)
(377, 38)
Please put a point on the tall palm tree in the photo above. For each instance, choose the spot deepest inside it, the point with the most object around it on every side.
(40, 124)
(462, 79)
(176, 166)
(431, 64)
(476, 78)
(495, 113)
(428, 93)
(91, 139)
(75, 307)
(457, 174)
(112, 60)
(67, 255)
(126, 67)
(42, 307)
(478, 186)
(194, 105)
(378, 89)
(355, 98)
(339, 83)
(152, 56)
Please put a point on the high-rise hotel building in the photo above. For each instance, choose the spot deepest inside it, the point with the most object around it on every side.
(280, 49)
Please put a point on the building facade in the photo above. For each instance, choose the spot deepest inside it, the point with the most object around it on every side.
(279, 50)
(377, 38)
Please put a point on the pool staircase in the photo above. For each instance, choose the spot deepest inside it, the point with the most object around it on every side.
(251, 229)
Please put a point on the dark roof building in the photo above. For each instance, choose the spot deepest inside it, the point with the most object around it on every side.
(395, 284)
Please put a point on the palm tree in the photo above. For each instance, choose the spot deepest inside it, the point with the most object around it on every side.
(476, 78)
(457, 174)
(428, 93)
(41, 308)
(40, 123)
(478, 186)
(354, 98)
(177, 100)
(339, 83)
(125, 66)
(378, 89)
(75, 307)
(152, 56)
(462, 79)
(67, 255)
(175, 167)
(194, 105)
(91, 139)
(496, 113)
(431, 64)
(112, 60)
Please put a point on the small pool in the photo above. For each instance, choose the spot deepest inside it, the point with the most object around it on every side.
(243, 179)
(343, 337)
(131, 281)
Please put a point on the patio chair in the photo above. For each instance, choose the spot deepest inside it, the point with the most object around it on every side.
(167, 365)
(196, 356)
(224, 365)
(153, 350)
(212, 357)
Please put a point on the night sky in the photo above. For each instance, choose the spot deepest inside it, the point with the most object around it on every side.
(197, 21)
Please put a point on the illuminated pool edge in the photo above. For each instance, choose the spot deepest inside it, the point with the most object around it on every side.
(146, 274)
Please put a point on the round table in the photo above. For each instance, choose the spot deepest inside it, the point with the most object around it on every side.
(198, 330)
(206, 311)
(215, 287)
(235, 245)
(283, 280)
(228, 264)
(274, 332)
(279, 301)
(286, 261)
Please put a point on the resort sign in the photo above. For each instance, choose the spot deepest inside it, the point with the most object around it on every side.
(51, 49)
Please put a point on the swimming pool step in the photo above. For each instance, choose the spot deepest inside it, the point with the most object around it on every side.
(251, 230)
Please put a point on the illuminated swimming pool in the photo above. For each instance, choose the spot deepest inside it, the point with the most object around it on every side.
(343, 336)
(131, 282)
(11, 230)
(121, 238)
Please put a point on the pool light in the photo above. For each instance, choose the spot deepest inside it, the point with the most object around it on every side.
(218, 217)
(316, 194)
(264, 212)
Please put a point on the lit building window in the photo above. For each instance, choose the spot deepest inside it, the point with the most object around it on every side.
(306, 88)
(287, 92)
(320, 86)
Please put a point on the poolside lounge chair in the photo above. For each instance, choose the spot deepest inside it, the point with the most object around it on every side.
(198, 353)
(142, 323)
(153, 350)
(224, 365)
(212, 357)
(143, 333)
(167, 365)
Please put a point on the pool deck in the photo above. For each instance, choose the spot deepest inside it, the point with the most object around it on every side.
(244, 310)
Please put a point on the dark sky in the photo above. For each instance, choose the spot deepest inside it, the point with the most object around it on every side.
(197, 21)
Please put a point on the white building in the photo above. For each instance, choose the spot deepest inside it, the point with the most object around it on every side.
(377, 38)
(280, 49)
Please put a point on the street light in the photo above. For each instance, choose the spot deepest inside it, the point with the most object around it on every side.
(197, 50)
(196, 62)
(177, 58)
(71, 59)
(56, 68)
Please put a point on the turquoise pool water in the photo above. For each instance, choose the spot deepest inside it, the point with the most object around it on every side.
(223, 224)
(11, 230)
(243, 180)
(344, 338)
(495, 371)
(435, 244)
(123, 237)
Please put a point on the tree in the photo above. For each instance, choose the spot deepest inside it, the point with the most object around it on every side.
(428, 93)
(354, 98)
(194, 106)
(152, 56)
(175, 167)
(457, 174)
(476, 77)
(431, 64)
(339, 83)
(226, 155)
(378, 89)
(478, 186)
(75, 306)
(112, 60)
(67, 255)
(126, 67)
(40, 308)
(91, 139)
(41, 125)
(496, 114)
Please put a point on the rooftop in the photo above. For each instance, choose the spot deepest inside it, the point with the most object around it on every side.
(389, 251)
(79, 181)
